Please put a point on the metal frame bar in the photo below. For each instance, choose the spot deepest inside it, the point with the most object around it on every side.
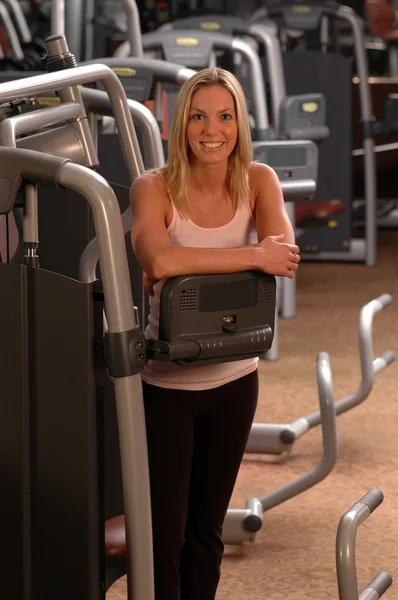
(360, 250)
(133, 29)
(345, 552)
(242, 525)
(279, 438)
(120, 317)
(58, 17)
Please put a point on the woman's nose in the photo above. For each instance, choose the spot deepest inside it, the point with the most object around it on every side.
(211, 126)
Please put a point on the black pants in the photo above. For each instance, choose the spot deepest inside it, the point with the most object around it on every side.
(196, 441)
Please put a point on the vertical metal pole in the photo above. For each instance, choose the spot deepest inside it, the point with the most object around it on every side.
(288, 299)
(366, 117)
(89, 30)
(58, 17)
(74, 20)
(31, 225)
(133, 28)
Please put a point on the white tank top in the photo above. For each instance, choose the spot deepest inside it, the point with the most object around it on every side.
(240, 231)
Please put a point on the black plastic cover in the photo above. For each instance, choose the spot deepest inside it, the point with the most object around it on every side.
(303, 117)
(224, 315)
(390, 117)
(124, 352)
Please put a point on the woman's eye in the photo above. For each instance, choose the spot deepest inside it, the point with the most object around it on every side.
(197, 117)
(226, 117)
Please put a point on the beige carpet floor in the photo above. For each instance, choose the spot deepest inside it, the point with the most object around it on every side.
(293, 556)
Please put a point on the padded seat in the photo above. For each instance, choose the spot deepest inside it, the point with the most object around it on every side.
(115, 538)
(391, 36)
(380, 17)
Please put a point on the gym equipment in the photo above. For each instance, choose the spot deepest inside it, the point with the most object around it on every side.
(53, 417)
(295, 163)
(295, 15)
(345, 552)
(277, 439)
(26, 52)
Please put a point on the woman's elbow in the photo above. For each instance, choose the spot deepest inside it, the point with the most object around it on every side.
(156, 268)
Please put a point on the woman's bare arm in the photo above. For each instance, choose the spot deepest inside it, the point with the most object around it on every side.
(154, 250)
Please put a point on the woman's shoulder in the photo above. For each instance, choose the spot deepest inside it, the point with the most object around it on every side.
(152, 180)
(260, 173)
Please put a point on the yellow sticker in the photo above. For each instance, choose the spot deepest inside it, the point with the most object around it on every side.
(124, 71)
(49, 101)
(332, 224)
(187, 41)
(310, 107)
(210, 26)
(302, 9)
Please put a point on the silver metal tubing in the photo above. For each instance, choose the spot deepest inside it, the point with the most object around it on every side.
(251, 514)
(265, 438)
(377, 149)
(269, 38)
(369, 365)
(355, 253)
(366, 114)
(233, 532)
(288, 295)
(260, 110)
(329, 437)
(345, 551)
(32, 86)
(98, 102)
(57, 47)
(133, 28)
(20, 21)
(74, 20)
(63, 141)
(377, 587)
(12, 127)
(278, 438)
(109, 234)
(12, 36)
(120, 317)
(151, 136)
(93, 122)
(273, 352)
(30, 220)
(89, 30)
(58, 17)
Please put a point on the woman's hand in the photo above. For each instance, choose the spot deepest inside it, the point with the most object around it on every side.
(149, 282)
(278, 257)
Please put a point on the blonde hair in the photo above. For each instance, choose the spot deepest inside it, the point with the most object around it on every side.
(176, 172)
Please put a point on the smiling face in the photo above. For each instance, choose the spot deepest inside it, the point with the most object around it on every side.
(212, 129)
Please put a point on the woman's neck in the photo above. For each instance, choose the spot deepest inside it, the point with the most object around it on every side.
(209, 180)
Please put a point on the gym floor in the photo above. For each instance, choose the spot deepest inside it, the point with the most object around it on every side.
(293, 557)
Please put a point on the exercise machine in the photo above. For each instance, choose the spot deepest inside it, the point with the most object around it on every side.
(333, 241)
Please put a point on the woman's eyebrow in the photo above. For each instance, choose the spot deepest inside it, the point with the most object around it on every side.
(220, 111)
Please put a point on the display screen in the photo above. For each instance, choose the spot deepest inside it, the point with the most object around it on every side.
(228, 296)
(287, 157)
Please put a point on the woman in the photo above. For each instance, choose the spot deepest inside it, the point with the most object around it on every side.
(209, 210)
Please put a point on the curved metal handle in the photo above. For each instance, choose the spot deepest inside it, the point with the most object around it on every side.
(345, 551)
(329, 437)
(369, 365)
